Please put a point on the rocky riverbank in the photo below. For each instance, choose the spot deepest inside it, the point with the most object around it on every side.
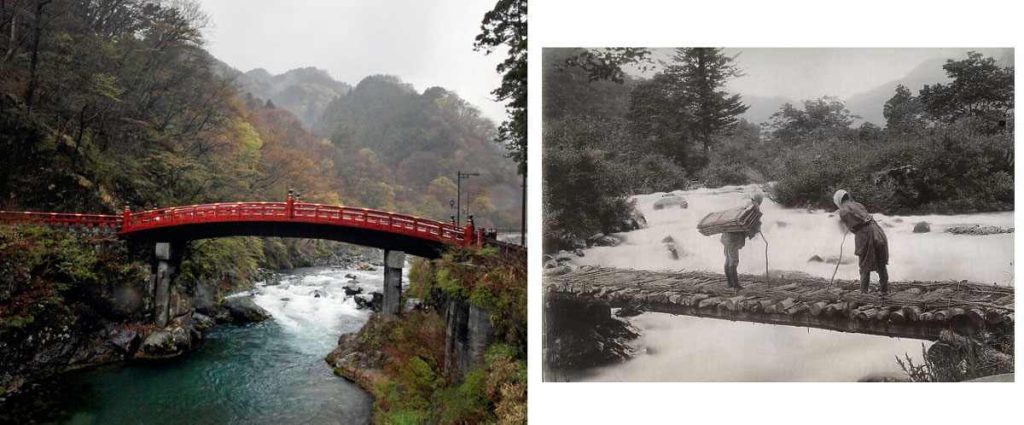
(70, 301)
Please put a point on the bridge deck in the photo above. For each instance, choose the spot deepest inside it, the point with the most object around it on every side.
(913, 309)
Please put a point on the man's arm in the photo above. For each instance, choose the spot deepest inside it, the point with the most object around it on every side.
(754, 230)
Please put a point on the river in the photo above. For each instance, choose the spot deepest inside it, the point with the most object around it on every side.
(267, 373)
(682, 348)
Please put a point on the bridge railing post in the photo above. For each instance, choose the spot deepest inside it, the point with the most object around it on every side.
(290, 205)
(126, 218)
(469, 232)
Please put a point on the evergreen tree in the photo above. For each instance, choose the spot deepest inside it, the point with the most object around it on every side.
(700, 74)
(505, 25)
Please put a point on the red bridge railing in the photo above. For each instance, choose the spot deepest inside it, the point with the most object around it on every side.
(290, 211)
(102, 221)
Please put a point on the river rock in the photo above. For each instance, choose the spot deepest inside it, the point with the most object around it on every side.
(670, 200)
(351, 290)
(815, 259)
(245, 310)
(832, 259)
(670, 245)
(635, 221)
(922, 227)
(363, 301)
(165, 343)
(201, 321)
(558, 270)
(602, 239)
(977, 229)
(377, 301)
(125, 340)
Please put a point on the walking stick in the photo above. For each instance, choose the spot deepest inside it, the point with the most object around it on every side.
(840, 261)
(766, 278)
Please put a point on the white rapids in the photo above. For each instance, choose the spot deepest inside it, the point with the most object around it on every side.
(796, 235)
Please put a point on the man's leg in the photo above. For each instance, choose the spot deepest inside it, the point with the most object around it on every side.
(865, 278)
(734, 262)
(728, 266)
(883, 279)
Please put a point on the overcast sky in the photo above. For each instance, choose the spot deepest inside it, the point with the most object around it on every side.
(426, 43)
(799, 74)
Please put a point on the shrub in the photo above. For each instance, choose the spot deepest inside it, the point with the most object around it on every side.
(949, 170)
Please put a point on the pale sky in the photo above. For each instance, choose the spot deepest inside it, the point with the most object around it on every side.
(425, 43)
(806, 73)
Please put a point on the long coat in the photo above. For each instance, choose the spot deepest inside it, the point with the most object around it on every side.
(871, 245)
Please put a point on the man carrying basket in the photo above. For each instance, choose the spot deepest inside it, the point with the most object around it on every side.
(734, 240)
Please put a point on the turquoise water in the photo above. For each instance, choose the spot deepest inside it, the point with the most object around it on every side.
(268, 373)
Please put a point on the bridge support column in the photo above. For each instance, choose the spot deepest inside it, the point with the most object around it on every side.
(167, 260)
(393, 263)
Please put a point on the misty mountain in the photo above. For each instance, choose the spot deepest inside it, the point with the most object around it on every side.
(305, 92)
(868, 105)
(762, 108)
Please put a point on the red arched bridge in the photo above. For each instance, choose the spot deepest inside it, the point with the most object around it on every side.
(170, 229)
(380, 229)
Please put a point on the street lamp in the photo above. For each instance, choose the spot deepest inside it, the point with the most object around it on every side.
(458, 197)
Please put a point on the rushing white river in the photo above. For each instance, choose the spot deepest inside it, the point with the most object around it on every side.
(271, 372)
(682, 348)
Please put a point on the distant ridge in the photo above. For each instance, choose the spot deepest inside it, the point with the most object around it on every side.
(305, 92)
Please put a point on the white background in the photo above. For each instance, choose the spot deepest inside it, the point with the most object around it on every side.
(852, 23)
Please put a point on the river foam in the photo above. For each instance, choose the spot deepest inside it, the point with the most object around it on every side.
(796, 235)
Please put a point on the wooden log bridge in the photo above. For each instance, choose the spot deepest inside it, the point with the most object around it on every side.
(913, 309)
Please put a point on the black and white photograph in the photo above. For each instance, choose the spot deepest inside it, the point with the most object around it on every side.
(778, 214)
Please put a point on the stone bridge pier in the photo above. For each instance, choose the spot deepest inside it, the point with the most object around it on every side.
(393, 263)
(166, 264)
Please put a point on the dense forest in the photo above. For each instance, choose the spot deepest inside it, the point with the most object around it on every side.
(946, 149)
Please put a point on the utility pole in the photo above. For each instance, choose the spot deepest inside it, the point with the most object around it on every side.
(458, 197)
(522, 234)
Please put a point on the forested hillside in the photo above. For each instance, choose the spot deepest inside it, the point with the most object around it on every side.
(108, 103)
(305, 92)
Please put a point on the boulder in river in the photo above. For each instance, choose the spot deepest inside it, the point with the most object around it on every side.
(977, 229)
(125, 339)
(670, 200)
(670, 245)
(558, 270)
(245, 310)
(602, 239)
(830, 259)
(922, 227)
(165, 343)
(201, 321)
(351, 290)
